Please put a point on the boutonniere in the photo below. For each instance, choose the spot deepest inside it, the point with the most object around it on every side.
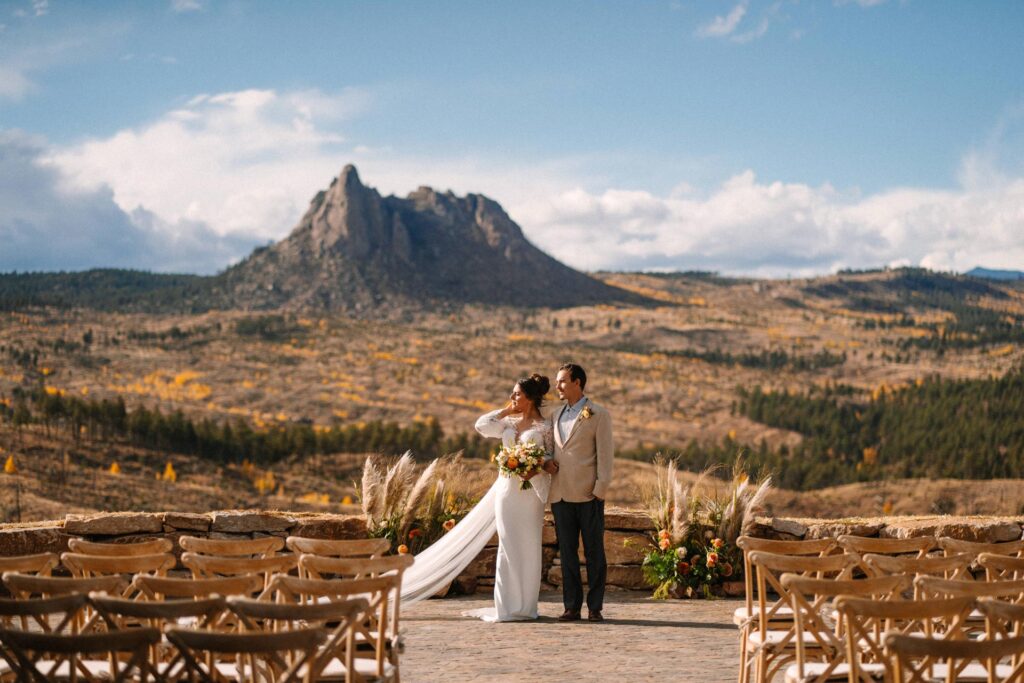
(586, 413)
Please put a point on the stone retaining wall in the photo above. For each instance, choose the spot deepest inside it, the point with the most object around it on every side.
(627, 535)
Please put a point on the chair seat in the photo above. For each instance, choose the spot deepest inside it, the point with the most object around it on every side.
(777, 638)
(812, 670)
(741, 615)
(366, 668)
(972, 672)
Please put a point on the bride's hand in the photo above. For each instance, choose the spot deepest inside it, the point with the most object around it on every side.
(509, 409)
(528, 477)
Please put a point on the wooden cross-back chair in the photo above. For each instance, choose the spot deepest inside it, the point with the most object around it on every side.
(281, 657)
(1001, 567)
(948, 567)
(913, 659)
(212, 566)
(377, 635)
(23, 586)
(155, 546)
(951, 546)
(356, 547)
(1002, 619)
(44, 657)
(815, 623)
(121, 614)
(335, 658)
(47, 615)
(929, 587)
(40, 563)
(266, 546)
(317, 567)
(772, 641)
(865, 622)
(744, 616)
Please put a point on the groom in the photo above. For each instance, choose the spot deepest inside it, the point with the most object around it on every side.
(581, 473)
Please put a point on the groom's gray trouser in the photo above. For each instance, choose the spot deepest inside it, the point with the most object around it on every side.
(573, 520)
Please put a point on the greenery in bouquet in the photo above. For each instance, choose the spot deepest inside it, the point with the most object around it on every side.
(697, 526)
(413, 511)
(519, 460)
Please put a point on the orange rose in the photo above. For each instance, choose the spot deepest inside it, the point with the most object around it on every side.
(718, 543)
(449, 524)
(512, 463)
(712, 559)
(663, 533)
(403, 549)
(664, 543)
(414, 533)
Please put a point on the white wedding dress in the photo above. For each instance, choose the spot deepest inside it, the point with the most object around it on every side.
(517, 515)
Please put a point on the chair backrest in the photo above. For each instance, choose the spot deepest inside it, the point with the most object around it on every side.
(748, 544)
(1002, 619)
(318, 567)
(242, 547)
(26, 586)
(768, 570)
(935, 587)
(287, 656)
(811, 602)
(43, 614)
(146, 587)
(381, 626)
(1001, 567)
(864, 623)
(84, 566)
(339, 617)
(41, 563)
(120, 613)
(210, 566)
(153, 546)
(913, 659)
(949, 567)
(918, 545)
(954, 545)
(356, 547)
(25, 650)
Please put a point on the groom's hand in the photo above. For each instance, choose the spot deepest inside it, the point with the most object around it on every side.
(551, 466)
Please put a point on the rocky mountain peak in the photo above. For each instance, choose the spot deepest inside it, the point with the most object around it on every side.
(354, 249)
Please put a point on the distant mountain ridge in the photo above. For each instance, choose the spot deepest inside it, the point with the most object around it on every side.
(354, 250)
(995, 274)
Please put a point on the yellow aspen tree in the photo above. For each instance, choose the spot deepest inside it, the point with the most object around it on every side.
(169, 473)
(115, 468)
(9, 466)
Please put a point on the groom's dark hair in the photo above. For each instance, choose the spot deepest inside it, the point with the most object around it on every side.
(576, 373)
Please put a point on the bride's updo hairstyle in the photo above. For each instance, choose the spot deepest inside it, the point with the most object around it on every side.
(535, 387)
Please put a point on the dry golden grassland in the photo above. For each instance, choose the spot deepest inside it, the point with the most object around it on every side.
(453, 366)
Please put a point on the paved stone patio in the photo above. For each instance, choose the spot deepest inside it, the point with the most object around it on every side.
(640, 640)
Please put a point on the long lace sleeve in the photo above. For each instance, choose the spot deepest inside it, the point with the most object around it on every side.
(549, 440)
(491, 426)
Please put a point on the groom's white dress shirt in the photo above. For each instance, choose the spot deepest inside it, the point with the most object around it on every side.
(568, 417)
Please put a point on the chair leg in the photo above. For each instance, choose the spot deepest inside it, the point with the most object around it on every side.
(744, 676)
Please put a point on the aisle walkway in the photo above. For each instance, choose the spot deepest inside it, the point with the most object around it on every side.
(640, 640)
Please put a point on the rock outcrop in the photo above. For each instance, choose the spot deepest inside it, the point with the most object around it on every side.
(355, 250)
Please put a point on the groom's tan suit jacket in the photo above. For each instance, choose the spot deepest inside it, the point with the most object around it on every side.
(584, 457)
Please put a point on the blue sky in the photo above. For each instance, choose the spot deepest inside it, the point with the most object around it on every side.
(765, 138)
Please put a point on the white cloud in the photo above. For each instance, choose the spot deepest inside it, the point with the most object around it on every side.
(14, 84)
(774, 229)
(724, 25)
(243, 165)
(186, 5)
(45, 225)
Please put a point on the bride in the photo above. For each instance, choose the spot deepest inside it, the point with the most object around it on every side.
(516, 514)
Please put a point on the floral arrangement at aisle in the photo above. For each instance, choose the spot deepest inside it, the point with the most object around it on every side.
(697, 527)
(410, 510)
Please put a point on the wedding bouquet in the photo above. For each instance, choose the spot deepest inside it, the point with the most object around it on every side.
(520, 459)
